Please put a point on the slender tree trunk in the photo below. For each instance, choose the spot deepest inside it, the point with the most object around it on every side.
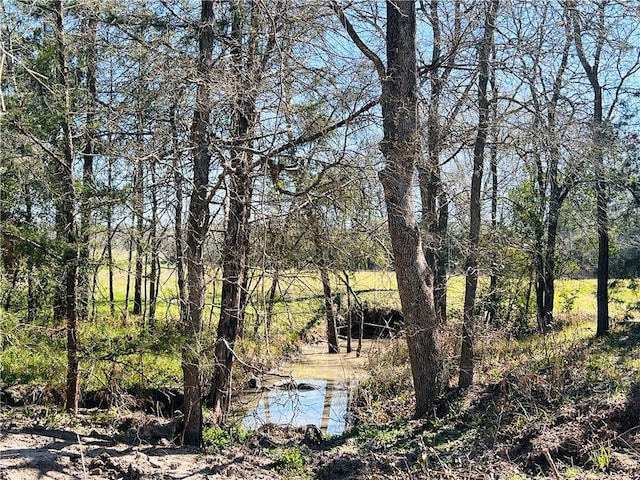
(109, 214)
(471, 282)
(179, 235)
(127, 290)
(557, 194)
(87, 170)
(33, 302)
(234, 260)
(332, 331)
(138, 210)
(321, 259)
(494, 298)
(112, 303)
(347, 284)
(247, 66)
(66, 218)
(434, 208)
(602, 220)
(602, 197)
(541, 278)
(153, 242)
(197, 226)
(271, 300)
(550, 268)
(138, 200)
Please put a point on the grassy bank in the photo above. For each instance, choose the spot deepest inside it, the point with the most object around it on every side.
(121, 352)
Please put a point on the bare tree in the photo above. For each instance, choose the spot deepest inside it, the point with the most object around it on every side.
(197, 227)
(248, 60)
(599, 40)
(401, 151)
(471, 280)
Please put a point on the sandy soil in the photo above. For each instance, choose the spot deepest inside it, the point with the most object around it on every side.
(69, 450)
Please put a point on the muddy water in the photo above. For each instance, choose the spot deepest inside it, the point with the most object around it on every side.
(313, 390)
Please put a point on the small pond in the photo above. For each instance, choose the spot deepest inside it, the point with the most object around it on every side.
(315, 389)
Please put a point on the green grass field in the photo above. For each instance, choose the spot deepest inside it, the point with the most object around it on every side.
(120, 352)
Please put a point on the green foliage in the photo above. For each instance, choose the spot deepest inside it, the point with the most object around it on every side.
(216, 437)
(291, 461)
(568, 298)
(107, 417)
(113, 356)
(380, 436)
(600, 458)
(31, 353)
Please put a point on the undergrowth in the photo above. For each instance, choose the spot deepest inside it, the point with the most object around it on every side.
(563, 402)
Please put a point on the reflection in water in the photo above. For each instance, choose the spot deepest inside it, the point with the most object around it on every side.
(321, 398)
(323, 404)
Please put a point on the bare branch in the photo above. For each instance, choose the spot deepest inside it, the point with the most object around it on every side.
(366, 51)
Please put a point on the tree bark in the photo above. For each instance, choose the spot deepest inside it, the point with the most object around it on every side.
(248, 63)
(330, 313)
(197, 226)
(471, 282)
(138, 232)
(429, 178)
(400, 149)
(494, 297)
(557, 193)
(154, 274)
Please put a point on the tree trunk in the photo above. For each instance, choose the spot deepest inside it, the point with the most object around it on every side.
(471, 283)
(197, 226)
(87, 170)
(234, 261)
(541, 288)
(400, 149)
(602, 222)
(247, 67)
(349, 312)
(154, 274)
(179, 240)
(431, 192)
(66, 218)
(271, 301)
(332, 331)
(494, 298)
(138, 210)
(127, 290)
(138, 199)
(557, 194)
(321, 259)
(112, 304)
(602, 197)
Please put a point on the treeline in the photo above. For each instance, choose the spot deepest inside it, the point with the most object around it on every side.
(253, 138)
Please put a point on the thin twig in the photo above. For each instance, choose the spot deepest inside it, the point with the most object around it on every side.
(84, 468)
(552, 464)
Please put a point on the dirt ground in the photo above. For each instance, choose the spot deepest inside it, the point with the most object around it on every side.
(38, 443)
(71, 452)
(56, 454)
